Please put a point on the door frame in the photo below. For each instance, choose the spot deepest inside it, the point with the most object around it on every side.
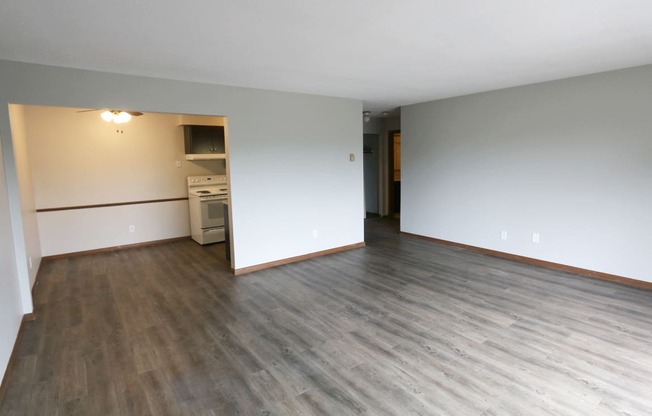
(390, 172)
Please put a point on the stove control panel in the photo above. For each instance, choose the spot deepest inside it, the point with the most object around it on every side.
(211, 197)
(206, 180)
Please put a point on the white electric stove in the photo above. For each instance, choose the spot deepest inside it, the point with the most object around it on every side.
(206, 197)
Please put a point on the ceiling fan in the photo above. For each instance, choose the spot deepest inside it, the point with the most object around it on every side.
(116, 116)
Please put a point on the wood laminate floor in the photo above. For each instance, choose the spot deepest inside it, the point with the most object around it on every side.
(400, 327)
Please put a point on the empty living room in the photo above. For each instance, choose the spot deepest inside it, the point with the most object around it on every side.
(502, 149)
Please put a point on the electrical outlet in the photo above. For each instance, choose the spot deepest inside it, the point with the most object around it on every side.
(503, 235)
(178, 163)
(132, 228)
(352, 157)
(535, 237)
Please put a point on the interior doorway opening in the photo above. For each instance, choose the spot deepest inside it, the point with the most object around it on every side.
(394, 173)
(371, 175)
(381, 191)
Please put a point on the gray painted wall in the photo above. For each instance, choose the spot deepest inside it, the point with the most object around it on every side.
(374, 126)
(570, 160)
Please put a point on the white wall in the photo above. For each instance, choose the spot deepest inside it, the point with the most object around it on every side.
(19, 268)
(79, 159)
(73, 231)
(28, 209)
(568, 159)
(11, 306)
(297, 176)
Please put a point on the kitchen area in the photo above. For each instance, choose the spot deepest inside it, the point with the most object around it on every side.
(97, 183)
(208, 195)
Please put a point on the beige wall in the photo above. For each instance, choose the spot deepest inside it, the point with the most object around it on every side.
(76, 159)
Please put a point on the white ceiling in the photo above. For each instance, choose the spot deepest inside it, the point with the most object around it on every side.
(386, 52)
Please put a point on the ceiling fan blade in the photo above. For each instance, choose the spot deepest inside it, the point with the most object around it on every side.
(131, 113)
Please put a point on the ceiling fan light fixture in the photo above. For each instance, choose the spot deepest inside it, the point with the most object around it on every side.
(118, 117)
(107, 116)
(121, 117)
